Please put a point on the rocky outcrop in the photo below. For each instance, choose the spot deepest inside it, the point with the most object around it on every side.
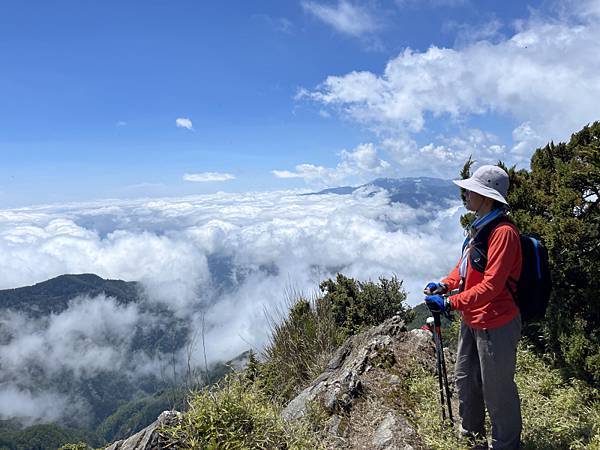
(360, 396)
(361, 389)
(148, 438)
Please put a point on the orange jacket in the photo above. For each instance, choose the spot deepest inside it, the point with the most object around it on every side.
(485, 301)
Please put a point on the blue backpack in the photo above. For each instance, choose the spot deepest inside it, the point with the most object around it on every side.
(531, 291)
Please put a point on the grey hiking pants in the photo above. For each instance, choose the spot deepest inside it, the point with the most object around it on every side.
(485, 371)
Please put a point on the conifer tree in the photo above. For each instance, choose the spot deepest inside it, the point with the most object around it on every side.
(557, 201)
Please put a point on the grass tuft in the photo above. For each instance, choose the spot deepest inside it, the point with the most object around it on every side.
(236, 414)
(557, 413)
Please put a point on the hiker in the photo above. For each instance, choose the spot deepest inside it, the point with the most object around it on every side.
(491, 323)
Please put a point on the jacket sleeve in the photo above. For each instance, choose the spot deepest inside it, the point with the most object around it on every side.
(452, 280)
(503, 250)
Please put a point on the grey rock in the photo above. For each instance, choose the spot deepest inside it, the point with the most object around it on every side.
(358, 384)
(340, 383)
(333, 425)
(406, 432)
(394, 380)
(148, 438)
(422, 337)
(394, 433)
(384, 435)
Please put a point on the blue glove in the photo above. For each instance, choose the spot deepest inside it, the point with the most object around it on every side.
(435, 288)
(437, 304)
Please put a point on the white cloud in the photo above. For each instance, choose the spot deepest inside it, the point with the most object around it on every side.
(443, 157)
(430, 3)
(345, 17)
(228, 256)
(183, 122)
(288, 174)
(542, 76)
(585, 9)
(208, 176)
(356, 165)
(364, 158)
(98, 343)
(162, 239)
(23, 403)
(312, 174)
(121, 123)
(526, 139)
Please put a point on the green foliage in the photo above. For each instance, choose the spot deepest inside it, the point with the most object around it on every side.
(252, 368)
(303, 341)
(421, 396)
(465, 173)
(132, 416)
(78, 446)
(300, 345)
(558, 413)
(558, 201)
(357, 305)
(43, 437)
(236, 414)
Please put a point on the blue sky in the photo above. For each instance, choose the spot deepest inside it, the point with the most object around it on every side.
(277, 94)
(116, 105)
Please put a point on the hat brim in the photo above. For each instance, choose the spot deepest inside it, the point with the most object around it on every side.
(472, 185)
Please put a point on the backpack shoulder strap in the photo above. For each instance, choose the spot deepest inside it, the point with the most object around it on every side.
(484, 234)
(479, 248)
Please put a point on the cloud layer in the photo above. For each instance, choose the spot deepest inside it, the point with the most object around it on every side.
(224, 257)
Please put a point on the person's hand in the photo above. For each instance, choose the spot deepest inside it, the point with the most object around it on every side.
(435, 288)
(437, 304)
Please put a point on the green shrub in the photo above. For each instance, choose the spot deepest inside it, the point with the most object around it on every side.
(79, 446)
(357, 305)
(236, 414)
(304, 339)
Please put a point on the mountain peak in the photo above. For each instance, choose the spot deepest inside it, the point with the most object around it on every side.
(412, 191)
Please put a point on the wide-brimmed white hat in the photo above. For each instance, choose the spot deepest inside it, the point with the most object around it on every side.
(489, 181)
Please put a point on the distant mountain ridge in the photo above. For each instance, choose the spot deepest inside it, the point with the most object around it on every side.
(53, 296)
(114, 402)
(412, 191)
(101, 390)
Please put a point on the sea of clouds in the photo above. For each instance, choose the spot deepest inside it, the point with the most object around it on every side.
(220, 259)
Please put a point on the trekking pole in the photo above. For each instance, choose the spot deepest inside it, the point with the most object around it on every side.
(442, 374)
(438, 362)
